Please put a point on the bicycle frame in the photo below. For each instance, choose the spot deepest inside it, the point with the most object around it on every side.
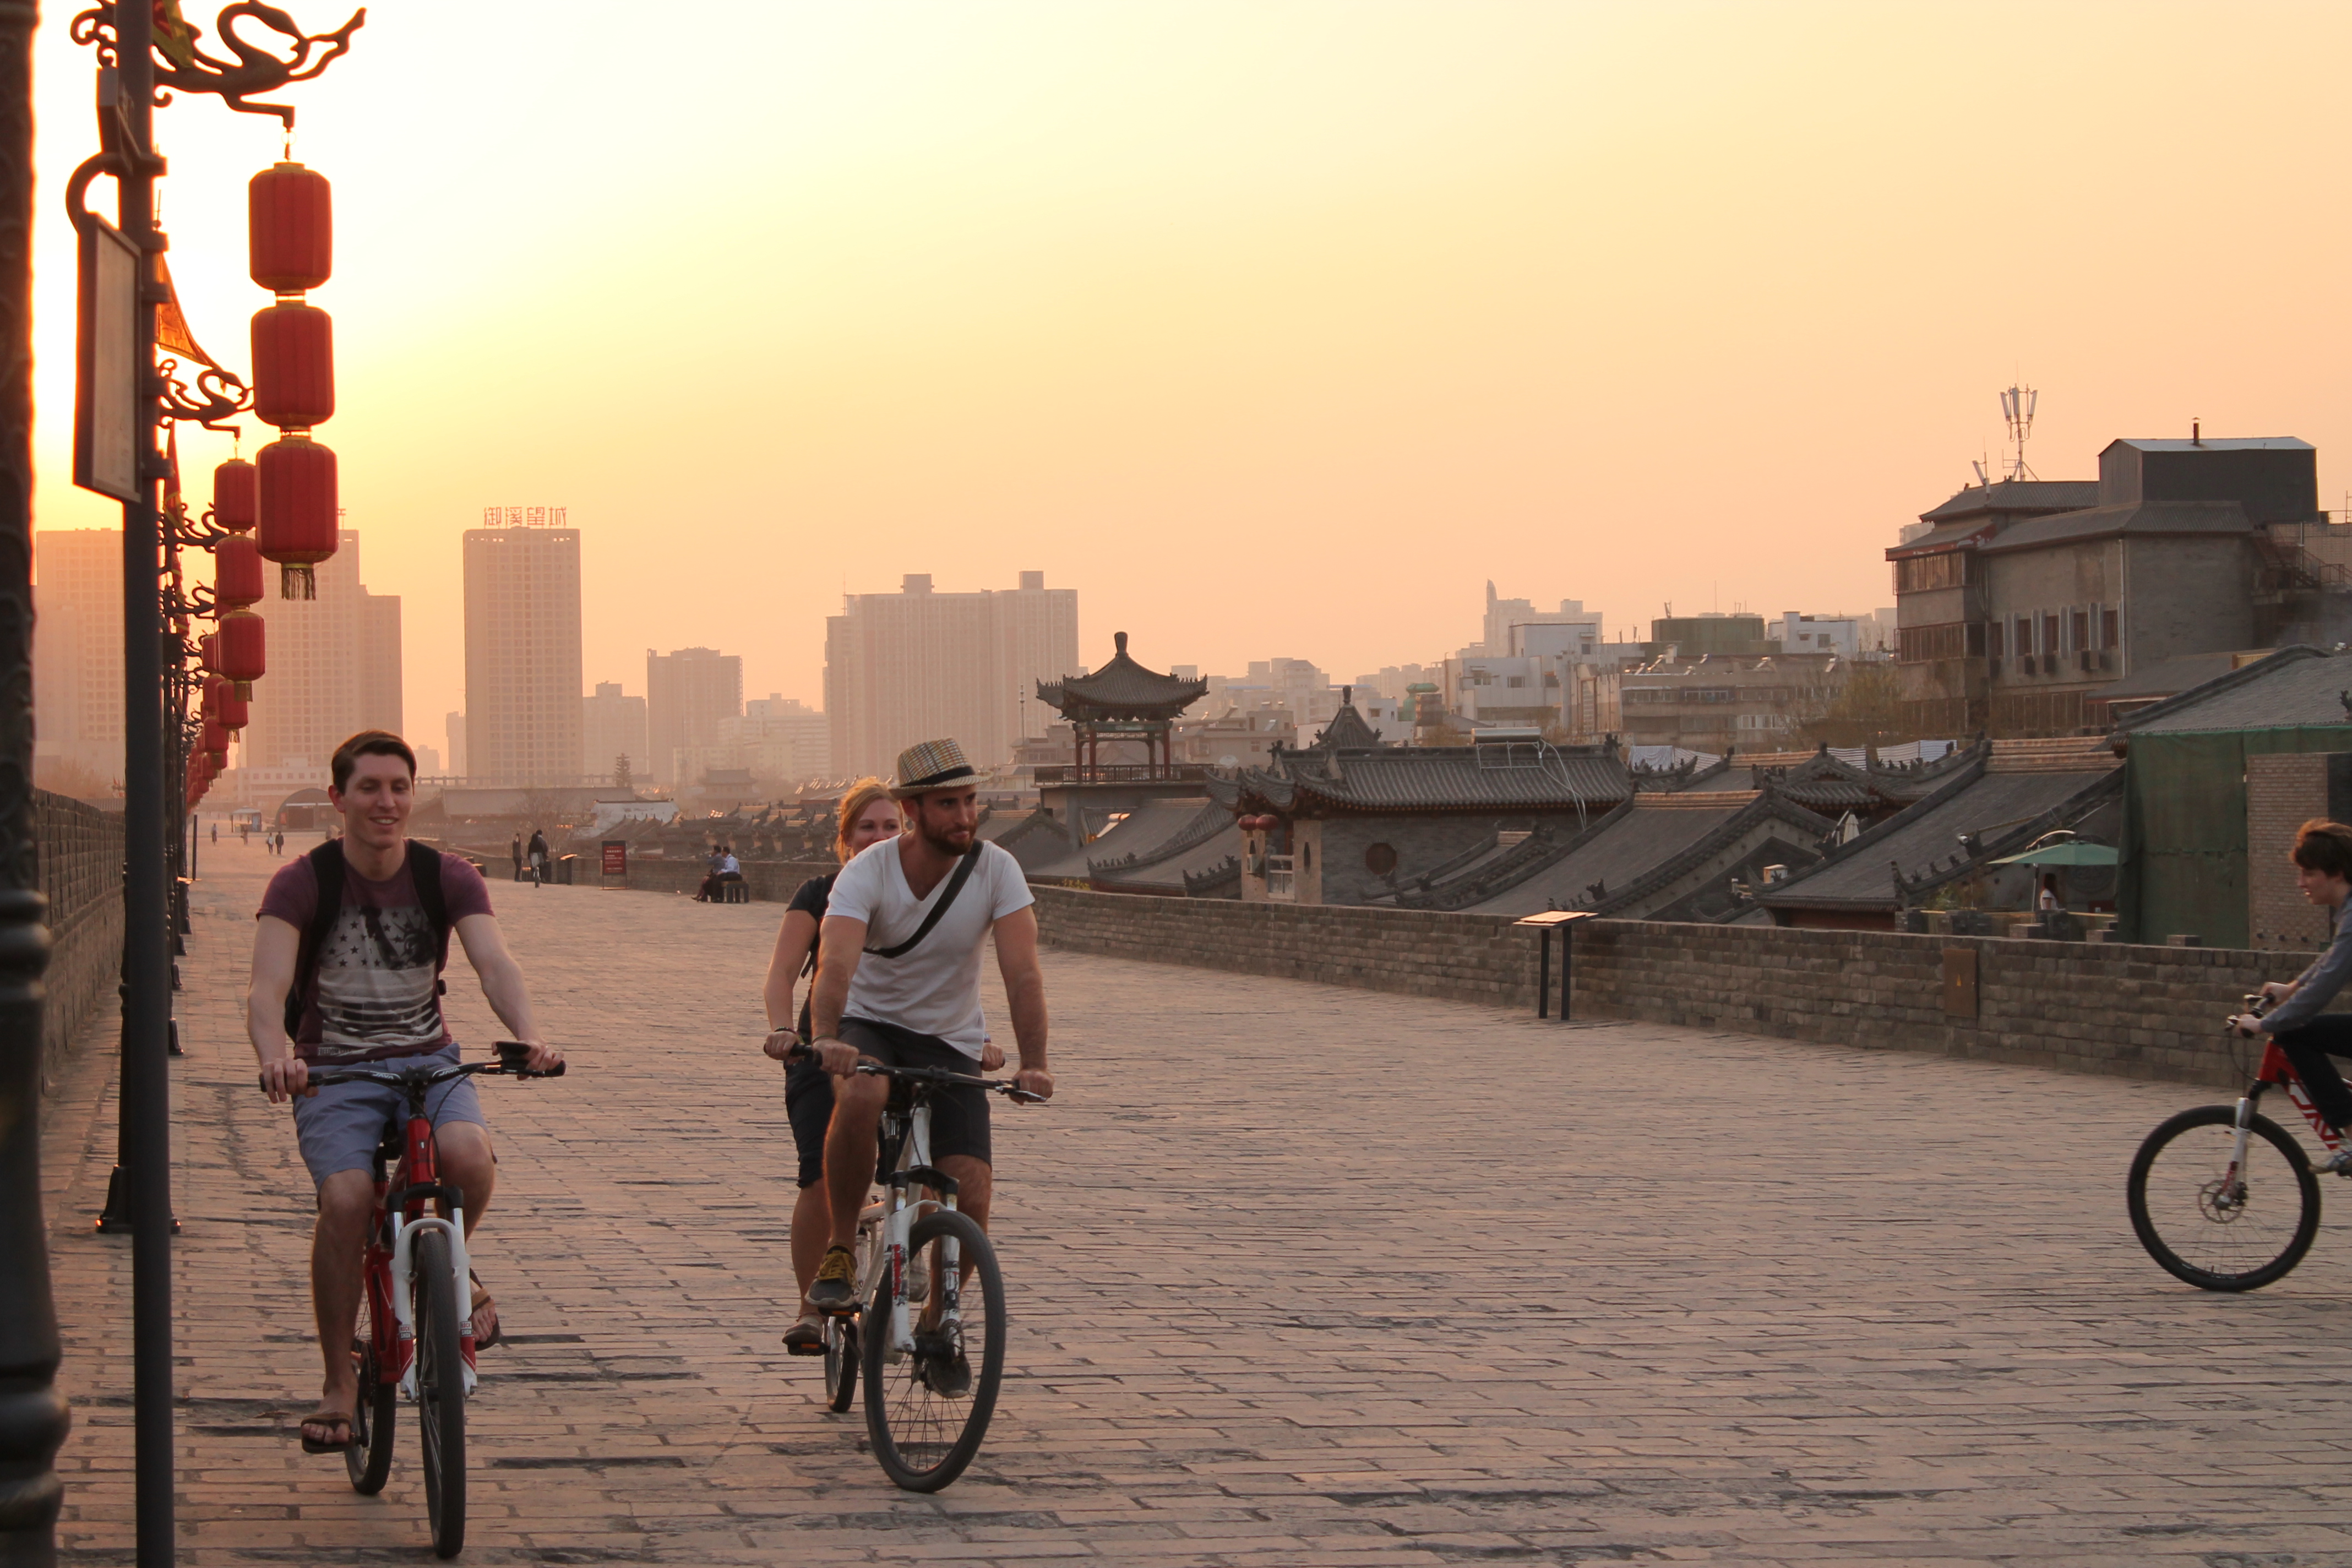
(389, 1264)
(2275, 1072)
(900, 1212)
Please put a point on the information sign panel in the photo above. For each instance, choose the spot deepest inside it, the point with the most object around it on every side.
(616, 857)
(106, 380)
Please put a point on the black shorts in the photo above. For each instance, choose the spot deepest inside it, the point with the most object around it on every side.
(808, 1106)
(959, 1111)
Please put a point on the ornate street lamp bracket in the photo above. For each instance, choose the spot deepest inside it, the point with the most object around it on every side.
(182, 66)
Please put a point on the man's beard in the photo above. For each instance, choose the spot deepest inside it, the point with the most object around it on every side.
(941, 840)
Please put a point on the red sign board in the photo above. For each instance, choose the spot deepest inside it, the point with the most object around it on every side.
(616, 856)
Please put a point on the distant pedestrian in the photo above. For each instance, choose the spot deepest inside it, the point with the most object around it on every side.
(215, 832)
(516, 850)
(539, 859)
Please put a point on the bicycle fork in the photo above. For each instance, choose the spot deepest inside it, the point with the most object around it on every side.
(945, 1274)
(404, 1233)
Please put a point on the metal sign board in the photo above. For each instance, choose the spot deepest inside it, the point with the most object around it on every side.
(616, 856)
(106, 379)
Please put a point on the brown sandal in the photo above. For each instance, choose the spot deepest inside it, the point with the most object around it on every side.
(483, 1302)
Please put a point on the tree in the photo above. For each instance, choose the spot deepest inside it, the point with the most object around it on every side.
(1869, 711)
(621, 778)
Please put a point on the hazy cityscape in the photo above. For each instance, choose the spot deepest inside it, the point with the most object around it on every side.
(1224, 785)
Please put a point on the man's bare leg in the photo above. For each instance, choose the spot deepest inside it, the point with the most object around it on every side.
(467, 1164)
(346, 1199)
(849, 1149)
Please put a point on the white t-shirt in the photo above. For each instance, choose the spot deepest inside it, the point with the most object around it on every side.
(934, 989)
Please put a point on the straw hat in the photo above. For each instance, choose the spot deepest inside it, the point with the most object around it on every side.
(931, 765)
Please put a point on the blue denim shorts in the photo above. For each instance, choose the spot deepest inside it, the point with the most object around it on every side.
(341, 1126)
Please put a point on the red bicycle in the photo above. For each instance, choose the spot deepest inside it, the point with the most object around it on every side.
(413, 1335)
(2222, 1196)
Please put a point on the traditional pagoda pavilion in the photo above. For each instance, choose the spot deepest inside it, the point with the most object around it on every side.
(1125, 701)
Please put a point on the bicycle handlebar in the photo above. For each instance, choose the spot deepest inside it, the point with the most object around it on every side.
(508, 1065)
(1004, 1086)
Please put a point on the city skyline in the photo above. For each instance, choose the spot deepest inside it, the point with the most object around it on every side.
(1436, 295)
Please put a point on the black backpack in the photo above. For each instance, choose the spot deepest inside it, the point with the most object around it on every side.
(326, 865)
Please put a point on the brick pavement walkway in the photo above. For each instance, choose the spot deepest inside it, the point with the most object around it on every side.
(1298, 1275)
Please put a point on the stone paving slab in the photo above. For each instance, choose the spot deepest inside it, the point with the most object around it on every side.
(1297, 1275)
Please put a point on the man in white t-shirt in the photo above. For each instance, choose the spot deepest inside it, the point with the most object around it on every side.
(890, 990)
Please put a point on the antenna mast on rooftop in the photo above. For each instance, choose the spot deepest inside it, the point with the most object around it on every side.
(2017, 408)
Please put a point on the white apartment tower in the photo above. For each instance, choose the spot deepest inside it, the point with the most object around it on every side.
(77, 648)
(522, 656)
(918, 665)
(333, 671)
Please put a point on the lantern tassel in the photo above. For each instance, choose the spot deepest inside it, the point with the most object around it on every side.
(296, 583)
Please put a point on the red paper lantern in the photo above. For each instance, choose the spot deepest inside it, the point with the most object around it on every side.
(298, 511)
(290, 228)
(233, 497)
(237, 577)
(293, 366)
(221, 702)
(208, 651)
(214, 742)
(240, 655)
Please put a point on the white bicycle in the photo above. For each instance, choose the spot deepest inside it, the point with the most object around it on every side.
(929, 1348)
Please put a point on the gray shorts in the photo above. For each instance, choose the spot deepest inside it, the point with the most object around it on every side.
(339, 1126)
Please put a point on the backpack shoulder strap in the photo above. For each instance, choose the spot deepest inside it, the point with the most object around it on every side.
(961, 875)
(326, 868)
(424, 869)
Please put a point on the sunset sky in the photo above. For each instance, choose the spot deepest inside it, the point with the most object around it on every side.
(1273, 329)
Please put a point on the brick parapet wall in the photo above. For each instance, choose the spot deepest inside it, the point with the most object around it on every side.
(2284, 790)
(2141, 1012)
(81, 875)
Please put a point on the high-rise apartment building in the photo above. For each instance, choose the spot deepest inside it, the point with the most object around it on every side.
(334, 669)
(777, 740)
(77, 648)
(918, 665)
(454, 725)
(687, 694)
(522, 655)
(613, 730)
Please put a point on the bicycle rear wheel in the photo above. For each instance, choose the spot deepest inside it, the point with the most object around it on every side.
(441, 1393)
(375, 1418)
(925, 1428)
(841, 1358)
(2215, 1230)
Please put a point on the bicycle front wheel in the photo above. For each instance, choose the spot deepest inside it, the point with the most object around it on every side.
(2213, 1228)
(441, 1393)
(928, 1409)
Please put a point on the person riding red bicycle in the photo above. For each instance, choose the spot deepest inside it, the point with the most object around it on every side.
(354, 979)
(2322, 856)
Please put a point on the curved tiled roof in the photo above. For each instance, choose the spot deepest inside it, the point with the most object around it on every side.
(2294, 688)
(2017, 495)
(1347, 731)
(1634, 856)
(1923, 841)
(1497, 775)
(1121, 690)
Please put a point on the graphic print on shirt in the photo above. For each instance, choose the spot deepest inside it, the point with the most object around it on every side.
(377, 988)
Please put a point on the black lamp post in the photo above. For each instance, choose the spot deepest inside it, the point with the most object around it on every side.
(134, 65)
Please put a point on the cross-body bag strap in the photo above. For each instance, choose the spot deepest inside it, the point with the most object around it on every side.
(962, 874)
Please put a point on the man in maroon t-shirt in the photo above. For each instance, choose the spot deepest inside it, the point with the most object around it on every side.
(374, 995)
